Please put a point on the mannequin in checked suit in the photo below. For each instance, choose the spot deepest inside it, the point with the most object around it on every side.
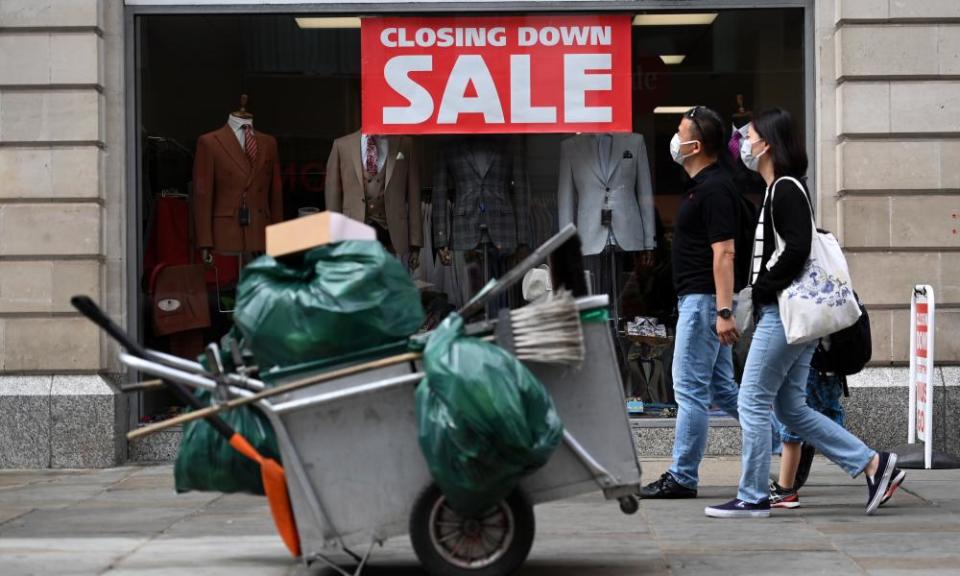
(480, 203)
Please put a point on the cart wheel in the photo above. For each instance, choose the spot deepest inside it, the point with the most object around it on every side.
(629, 505)
(494, 544)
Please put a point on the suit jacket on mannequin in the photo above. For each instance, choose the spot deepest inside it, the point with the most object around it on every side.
(345, 192)
(485, 185)
(585, 189)
(223, 179)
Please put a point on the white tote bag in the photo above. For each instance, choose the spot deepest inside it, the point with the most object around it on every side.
(820, 301)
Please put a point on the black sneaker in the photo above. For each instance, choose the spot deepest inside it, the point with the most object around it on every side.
(896, 479)
(781, 497)
(737, 508)
(807, 451)
(666, 488)
(877, 486)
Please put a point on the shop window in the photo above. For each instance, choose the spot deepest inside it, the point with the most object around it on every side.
(302, 86)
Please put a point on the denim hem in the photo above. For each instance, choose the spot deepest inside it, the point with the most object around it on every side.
(859, 470)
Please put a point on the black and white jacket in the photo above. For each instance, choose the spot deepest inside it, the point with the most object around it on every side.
(791, 212)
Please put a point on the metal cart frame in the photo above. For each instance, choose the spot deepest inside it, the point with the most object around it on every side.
(355, 473)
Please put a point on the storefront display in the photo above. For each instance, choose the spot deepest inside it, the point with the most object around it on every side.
(463, 164)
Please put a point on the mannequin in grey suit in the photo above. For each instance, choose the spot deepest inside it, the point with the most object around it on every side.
(605, 189)
(591, 181)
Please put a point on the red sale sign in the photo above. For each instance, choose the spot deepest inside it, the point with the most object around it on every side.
(457, 75)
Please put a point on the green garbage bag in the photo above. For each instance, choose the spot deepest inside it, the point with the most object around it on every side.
(207, 463)
(343, 297)
(484, 420)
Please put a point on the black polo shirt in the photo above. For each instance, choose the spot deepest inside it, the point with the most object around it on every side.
(707, 215)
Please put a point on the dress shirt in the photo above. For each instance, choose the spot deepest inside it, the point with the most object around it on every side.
(237, 124)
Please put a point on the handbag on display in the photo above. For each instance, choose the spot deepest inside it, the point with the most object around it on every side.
(179, 298)
(820, 301)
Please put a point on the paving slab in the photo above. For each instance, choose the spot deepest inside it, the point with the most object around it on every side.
(49, 495)
(62, 556)
(11, 513)
(226, 554)
(92, 520)
(826, 562)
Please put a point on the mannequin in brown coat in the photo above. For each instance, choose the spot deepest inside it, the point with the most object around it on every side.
(225, 181)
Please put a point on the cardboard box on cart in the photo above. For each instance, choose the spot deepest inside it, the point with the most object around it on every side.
(301, 234)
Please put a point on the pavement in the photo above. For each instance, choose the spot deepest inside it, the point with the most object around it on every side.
(129, 521)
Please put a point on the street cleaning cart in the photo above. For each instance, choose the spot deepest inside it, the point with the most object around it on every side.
(355, 472)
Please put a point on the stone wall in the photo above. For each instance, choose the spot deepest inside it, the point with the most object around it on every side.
(61, 205)
(890, 171)
(888, 156)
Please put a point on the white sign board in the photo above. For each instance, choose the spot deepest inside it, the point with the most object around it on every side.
(922, 370)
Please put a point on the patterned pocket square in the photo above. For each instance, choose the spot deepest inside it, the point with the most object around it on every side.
(627, 155)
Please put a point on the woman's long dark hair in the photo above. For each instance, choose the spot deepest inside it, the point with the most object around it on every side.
(776, 128)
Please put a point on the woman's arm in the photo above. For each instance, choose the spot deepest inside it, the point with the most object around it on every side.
(791, 215)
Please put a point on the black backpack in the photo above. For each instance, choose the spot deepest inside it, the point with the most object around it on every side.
(849, 350)
(743, 243)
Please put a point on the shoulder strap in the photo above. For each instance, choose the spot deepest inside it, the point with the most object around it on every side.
(773, 188)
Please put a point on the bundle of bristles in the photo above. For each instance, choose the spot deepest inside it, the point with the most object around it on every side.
(547, 331)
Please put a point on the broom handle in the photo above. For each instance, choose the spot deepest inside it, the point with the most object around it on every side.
(89, 308)
(214, 409)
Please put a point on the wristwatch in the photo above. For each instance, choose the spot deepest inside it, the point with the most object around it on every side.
(725, 313)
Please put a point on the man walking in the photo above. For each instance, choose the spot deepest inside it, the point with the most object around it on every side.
(703, 274)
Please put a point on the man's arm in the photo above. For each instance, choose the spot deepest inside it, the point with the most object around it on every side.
(723, 258)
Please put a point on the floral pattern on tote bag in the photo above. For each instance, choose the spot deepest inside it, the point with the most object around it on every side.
(818, 285)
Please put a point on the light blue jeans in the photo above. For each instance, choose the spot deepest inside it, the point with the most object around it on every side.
(776, 375)
(702, 375)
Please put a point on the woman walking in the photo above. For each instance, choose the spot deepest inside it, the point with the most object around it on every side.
(776, 372)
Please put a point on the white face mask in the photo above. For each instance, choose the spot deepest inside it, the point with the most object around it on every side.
(746, 154)
(675, 145)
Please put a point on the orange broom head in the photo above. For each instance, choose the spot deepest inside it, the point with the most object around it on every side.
(275, 486)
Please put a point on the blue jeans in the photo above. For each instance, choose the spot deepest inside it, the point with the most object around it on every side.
(776, 375)
(823, 395)
(702, 375)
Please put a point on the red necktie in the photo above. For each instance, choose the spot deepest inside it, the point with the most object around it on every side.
(249, 143)
(371, 159)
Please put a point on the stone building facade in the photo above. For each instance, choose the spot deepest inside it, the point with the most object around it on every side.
(887, 158)
(61, 222)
